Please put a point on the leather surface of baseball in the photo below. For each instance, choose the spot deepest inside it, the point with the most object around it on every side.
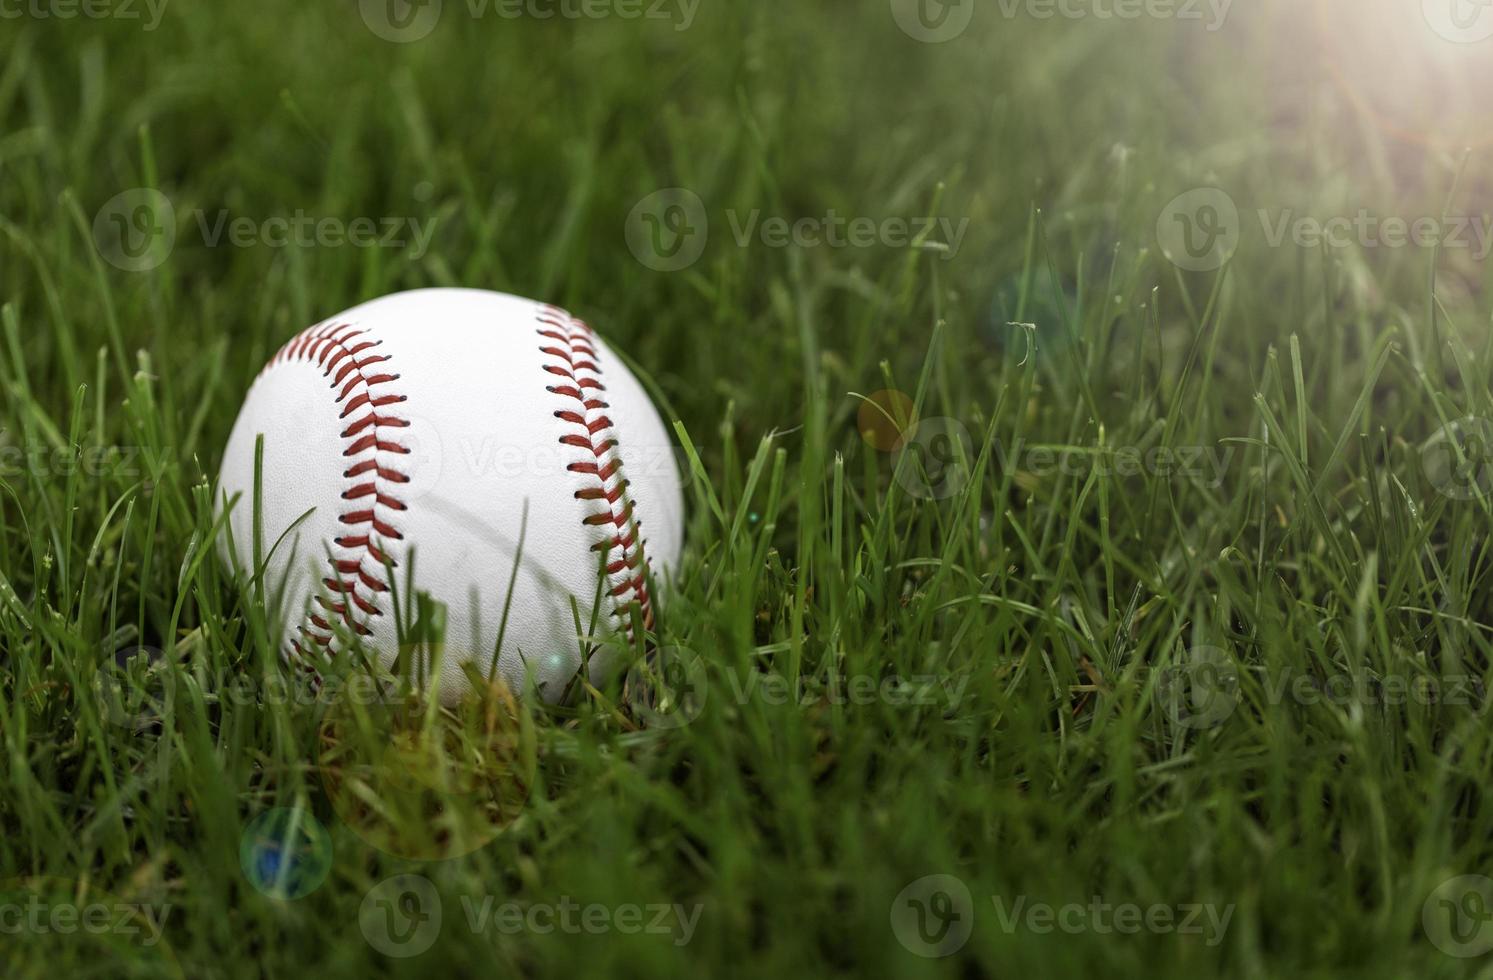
(429, 433)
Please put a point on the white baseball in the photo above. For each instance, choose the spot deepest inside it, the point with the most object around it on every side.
(478, 441)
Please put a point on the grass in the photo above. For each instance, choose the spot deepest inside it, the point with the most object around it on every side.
(1168, 512)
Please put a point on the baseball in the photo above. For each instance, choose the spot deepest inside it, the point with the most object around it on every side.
(485, 449)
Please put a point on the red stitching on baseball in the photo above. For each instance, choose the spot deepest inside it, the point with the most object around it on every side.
(345, 353)
(574, 360)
